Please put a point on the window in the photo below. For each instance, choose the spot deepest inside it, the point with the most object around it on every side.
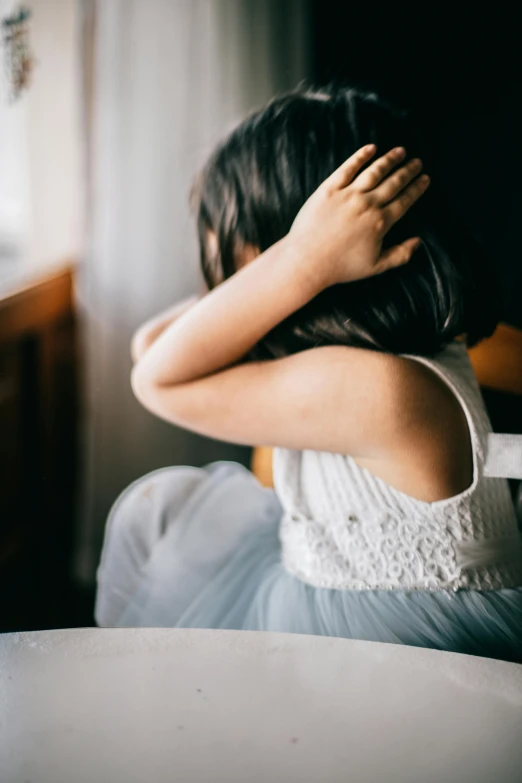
(14, 175)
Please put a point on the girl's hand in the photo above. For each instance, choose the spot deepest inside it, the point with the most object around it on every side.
(342, 225)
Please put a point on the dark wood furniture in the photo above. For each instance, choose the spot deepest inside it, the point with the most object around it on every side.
(38, 448)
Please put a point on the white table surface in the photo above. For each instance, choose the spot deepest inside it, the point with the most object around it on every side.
(156, 705)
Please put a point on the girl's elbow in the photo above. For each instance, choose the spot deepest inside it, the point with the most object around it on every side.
(171, 403)
(139, 345)
(141, 385)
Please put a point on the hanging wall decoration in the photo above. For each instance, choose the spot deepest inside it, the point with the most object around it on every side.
(18, 59)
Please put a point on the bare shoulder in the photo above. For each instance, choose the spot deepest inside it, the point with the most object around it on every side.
(426, 452)
(428, 398)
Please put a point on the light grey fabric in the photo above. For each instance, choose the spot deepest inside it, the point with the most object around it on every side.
(503, 456)
(191, 547)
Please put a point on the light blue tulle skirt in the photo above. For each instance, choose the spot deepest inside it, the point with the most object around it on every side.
(199, 548)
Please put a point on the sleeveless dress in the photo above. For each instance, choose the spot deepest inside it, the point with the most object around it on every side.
(333, 551)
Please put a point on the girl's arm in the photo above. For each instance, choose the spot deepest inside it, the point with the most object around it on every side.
(151, 330)
(188, 375)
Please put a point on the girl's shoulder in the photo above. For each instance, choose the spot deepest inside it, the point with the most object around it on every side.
(429, 454)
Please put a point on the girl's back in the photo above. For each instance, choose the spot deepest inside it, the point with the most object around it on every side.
(346, 527)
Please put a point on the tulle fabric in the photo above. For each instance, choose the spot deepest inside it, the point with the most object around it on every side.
(199, 548)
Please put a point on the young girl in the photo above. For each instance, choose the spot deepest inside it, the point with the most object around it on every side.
(342, 298)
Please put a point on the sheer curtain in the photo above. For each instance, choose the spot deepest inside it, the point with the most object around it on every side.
(41, 201)
(14, 181)
(165, 79)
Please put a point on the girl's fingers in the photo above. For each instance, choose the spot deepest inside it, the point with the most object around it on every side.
(344, 175)
(400, 205)
(392, 185)
(397, 255)
(375, 173)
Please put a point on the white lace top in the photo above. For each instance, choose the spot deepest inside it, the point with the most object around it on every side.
(345, 528)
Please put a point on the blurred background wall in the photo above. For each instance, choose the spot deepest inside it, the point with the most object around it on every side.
(458, 67)
(168, 80)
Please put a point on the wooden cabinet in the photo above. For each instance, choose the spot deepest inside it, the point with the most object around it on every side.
(38, 448)
(10, 428)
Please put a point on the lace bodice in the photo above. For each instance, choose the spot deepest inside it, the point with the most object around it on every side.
(345, 528)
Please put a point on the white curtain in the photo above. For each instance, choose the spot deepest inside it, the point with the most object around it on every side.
(41, 209)
(14, 180)
(169, 78)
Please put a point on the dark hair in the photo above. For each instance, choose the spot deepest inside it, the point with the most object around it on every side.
(254, 184)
